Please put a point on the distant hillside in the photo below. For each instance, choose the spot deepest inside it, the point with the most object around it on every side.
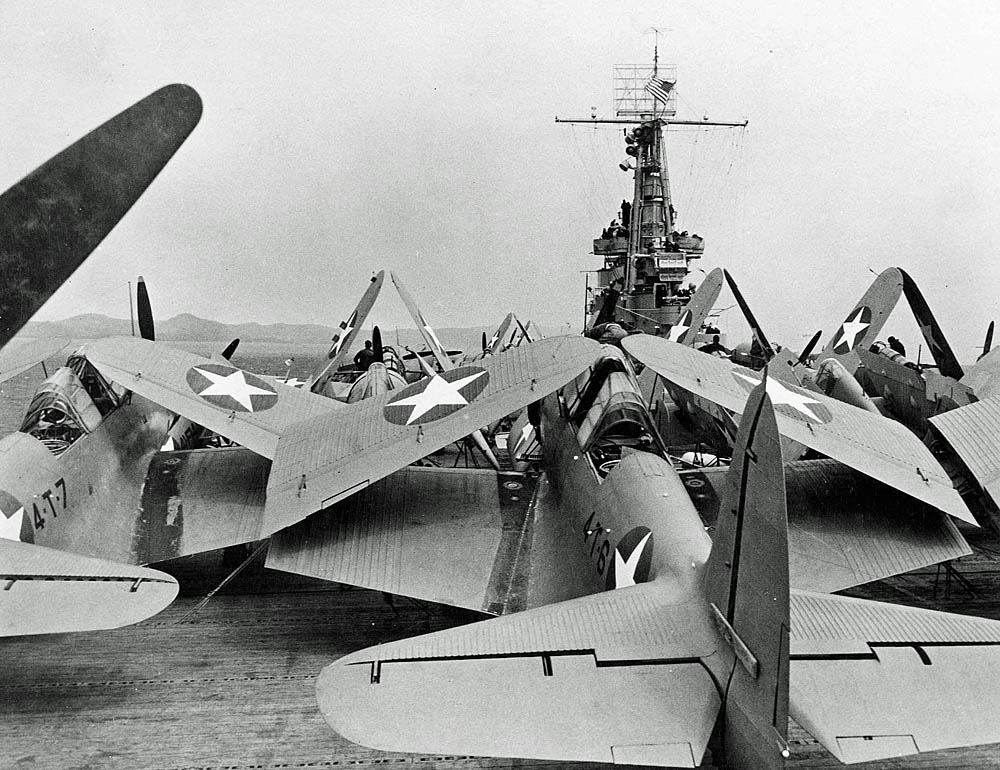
(191, 328)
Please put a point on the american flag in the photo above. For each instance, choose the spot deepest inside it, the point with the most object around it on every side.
(660, 88)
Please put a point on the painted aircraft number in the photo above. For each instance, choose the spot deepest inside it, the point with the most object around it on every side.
(597, 532)
(38, 514)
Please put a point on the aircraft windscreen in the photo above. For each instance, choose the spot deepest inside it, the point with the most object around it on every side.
(61, 412)
(611, 415)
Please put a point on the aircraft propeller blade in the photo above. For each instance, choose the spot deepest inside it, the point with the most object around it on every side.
(804, 356)
(607, 312)
(485, 343)
(143, 311)
(58, 214)
(988, 342)
(231, 348)
(758, 333)
(377, 345)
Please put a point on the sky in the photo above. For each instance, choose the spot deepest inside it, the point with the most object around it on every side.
(339, 138)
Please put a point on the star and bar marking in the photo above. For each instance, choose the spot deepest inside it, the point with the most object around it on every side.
(230, 388)
(678, 330)
(346, 327)
(797, 401)
(857, 324)
(633, 555)
(437, 396)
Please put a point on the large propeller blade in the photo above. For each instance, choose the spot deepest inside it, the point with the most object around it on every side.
(58, 214)
(143, 311)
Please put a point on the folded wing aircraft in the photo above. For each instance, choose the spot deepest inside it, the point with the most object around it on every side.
(880, 448)
(49, 223)
(691, 646)
(322, 451)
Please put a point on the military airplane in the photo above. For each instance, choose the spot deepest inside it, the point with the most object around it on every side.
(673, 643)
(49, 222)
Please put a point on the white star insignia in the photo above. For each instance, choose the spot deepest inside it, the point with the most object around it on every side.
(625, 569)
(439, 392)
(781, 395)
(345, 328)
(234, 385)
(927, 330)
(850, 329)
(678, 329)
(10, 527)
(493, 340)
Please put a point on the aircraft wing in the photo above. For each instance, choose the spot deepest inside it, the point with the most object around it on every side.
(872, 680)
(242, 407)
(329, 457)
(448, 535)
(613, 677)
(973, 432)
(346, 333)
(984, 375)
(943, 355)
(876, 446)
(698, 308)
(430, 338)
(19, 356)
(864, 532)
(864, 323)
(48, 591)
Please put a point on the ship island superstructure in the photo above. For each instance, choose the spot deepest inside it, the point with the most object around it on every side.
(646, 258)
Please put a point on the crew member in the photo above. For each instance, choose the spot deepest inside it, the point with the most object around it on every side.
(897, 346)
(365, 357)
(715, 348)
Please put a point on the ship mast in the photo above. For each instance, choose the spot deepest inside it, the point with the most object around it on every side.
(645, 258)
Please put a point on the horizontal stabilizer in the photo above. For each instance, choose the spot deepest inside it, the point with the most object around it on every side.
(878, 447)
(614, 677)
(47, 591)
(447, 535)
(325, 459)
(866, 531)
(872, 680)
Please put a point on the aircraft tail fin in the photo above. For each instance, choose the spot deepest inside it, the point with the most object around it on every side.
(747, 585)
(864, 323)
(143, 311)
(944, 357)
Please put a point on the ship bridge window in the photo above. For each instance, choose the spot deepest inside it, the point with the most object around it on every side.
(61, 412)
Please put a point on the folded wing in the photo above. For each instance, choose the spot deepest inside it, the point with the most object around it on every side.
(873, 445)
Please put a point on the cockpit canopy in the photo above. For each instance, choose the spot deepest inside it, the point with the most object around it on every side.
(70, 403)
(608, 409)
